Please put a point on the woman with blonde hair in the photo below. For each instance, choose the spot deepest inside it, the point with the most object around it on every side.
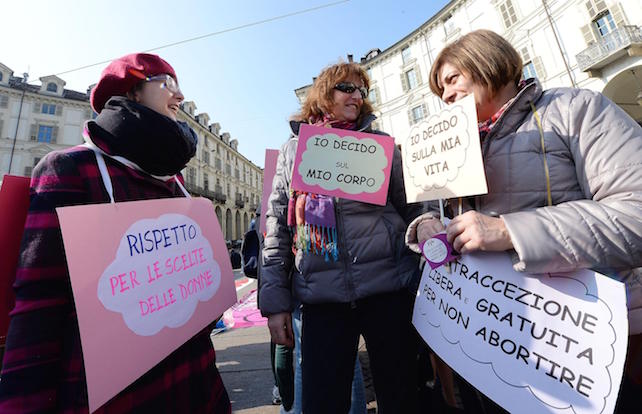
(360, 286)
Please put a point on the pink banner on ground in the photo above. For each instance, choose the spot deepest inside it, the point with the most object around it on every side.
(343, 163)
(146, 277)
(245, 313)
(268, 175)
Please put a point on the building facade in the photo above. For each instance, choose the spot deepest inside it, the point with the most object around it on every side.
(222, 174)
(35, 120)
(593, 44)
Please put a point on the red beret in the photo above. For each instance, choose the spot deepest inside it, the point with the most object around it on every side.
(121, 75)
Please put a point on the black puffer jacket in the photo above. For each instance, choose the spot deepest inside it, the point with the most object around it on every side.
(373, 257)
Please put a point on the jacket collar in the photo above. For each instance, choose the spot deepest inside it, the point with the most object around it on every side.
(517, 110)
(365, 124)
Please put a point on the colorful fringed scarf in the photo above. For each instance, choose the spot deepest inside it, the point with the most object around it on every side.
(311, 216)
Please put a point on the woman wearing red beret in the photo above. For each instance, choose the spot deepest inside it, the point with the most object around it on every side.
(144, 148)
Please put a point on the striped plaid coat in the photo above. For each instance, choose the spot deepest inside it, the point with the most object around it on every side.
(43, 368)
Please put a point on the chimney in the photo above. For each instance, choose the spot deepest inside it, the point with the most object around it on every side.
(350, 58)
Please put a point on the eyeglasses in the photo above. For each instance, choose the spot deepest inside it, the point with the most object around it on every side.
(169, 83)
(349, 87)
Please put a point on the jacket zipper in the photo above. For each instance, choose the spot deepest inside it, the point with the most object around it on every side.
(486, 146)
(346, 254)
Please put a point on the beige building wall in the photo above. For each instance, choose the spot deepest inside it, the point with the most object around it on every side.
(600, 41)
(52, 118)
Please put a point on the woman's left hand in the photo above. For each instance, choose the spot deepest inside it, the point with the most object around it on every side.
(474, 231)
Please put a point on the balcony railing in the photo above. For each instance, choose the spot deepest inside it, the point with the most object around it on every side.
(609, 48)
(194, 189)
(218, 196)
(240, 202)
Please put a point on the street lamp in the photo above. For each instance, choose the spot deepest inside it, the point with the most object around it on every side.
(25, 76)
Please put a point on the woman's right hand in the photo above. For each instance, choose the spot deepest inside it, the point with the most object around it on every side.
(428, 228)
(280, 325)
(421, 229)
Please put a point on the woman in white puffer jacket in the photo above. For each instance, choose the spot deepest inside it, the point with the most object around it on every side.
(564, 172)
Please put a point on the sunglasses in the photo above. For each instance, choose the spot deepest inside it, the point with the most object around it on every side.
(349, 88)
(169, 83)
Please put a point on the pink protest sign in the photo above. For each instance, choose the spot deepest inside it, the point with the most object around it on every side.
(268, 175)
(14, 203)
(146, 277)
(343, 163)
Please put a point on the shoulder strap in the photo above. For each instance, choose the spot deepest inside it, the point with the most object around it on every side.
(541, 140)
(104, 173)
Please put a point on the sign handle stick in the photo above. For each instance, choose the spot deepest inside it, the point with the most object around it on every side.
(443, 218)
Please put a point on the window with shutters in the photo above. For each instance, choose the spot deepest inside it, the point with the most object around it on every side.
(48, 109)
(410, 79)
(206, 182)
(191, 175)
(604, 24)
(45, 133)
(36, 160)
(206, 156)
(229, 193)
(1, 125)
(531, 65)
(529, 71)
(237, 175)
(405, 55)
(449, 26)
(228, 169)
(373, 96)
(4, 101)
(509, 17)
(603, 21)
(217, 164)
(417, 113)
(595, 7)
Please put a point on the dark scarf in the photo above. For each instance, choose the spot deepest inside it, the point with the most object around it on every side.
(155, 142)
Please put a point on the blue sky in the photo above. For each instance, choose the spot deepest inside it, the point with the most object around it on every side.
(244, 79)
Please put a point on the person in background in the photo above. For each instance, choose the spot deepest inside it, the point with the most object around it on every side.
(137, 99)
(281, 356)
(354, 283)
(564, 177)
